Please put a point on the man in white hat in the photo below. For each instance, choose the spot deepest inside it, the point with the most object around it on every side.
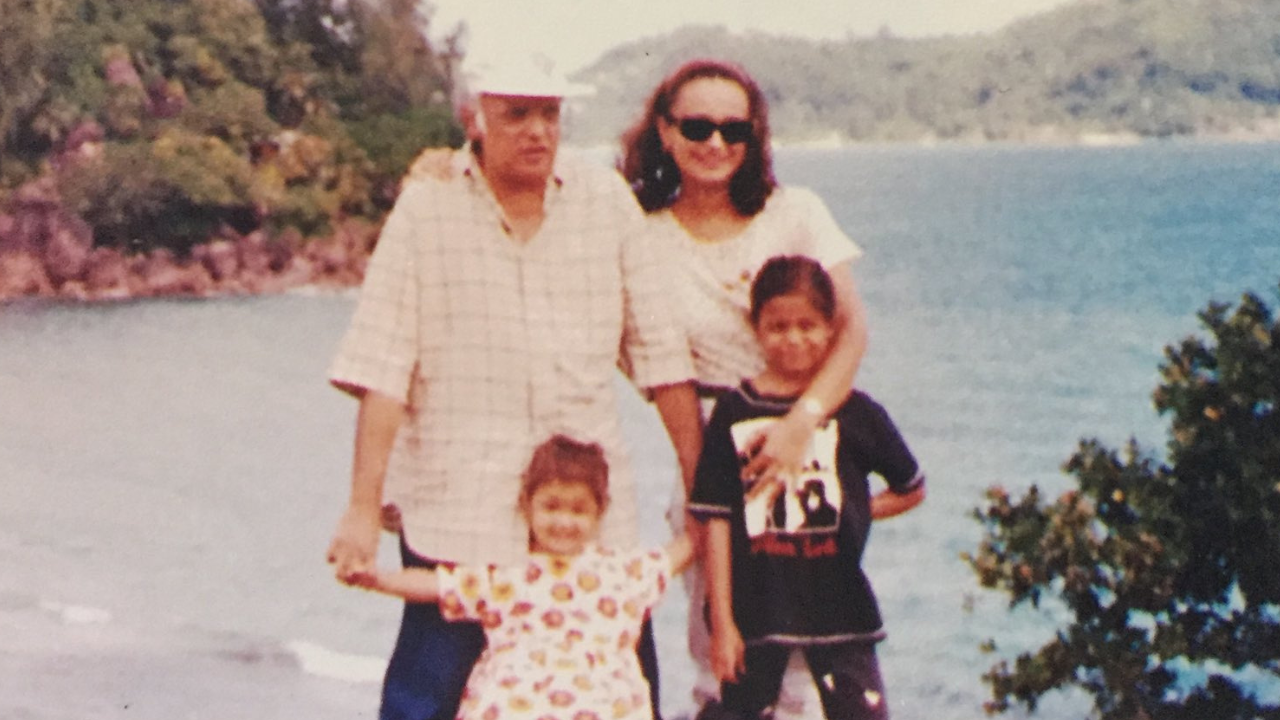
(495, 311)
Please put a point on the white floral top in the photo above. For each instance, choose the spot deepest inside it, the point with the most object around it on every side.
(711, 284)
(561, 634)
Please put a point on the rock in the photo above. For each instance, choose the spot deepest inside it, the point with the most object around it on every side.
(254, 259)
(297, 273)
(74, 290)
(108, 275)
(8, 231)
(67, 248)
(22, 275)
(326, 254)
(221, 258)
(165, 276)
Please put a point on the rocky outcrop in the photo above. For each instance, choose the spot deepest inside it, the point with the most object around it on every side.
(48, 252)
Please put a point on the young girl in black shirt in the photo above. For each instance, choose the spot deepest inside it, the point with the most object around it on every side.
(783, 558)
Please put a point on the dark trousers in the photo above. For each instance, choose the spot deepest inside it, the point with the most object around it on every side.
(433, 658)
(431, 661)
(847, 676)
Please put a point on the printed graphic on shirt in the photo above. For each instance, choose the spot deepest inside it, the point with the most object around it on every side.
(795, 516)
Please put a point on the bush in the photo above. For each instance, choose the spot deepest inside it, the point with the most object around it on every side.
(393, 140)
(1170, 569)
(174, 192)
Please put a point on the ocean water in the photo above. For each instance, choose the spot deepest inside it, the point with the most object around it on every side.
(170, 471)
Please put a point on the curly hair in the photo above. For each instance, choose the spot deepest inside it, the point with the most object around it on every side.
(652, 173)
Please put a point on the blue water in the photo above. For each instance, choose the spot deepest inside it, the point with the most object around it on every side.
(170, 471)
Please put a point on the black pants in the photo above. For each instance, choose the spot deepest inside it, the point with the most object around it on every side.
(847, 676)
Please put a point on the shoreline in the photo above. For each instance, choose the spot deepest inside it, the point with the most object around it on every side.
(46, 253)
(1048, 138)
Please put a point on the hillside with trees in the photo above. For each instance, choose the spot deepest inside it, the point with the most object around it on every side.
(1139, 68)
(134, 131)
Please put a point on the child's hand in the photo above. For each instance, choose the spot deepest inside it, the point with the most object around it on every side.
(727, 654)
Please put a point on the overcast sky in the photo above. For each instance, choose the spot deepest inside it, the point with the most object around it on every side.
(576, 32)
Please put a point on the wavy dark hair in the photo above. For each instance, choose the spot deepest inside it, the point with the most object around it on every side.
(653, 174)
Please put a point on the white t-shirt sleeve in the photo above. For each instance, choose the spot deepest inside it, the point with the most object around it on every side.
(830, 245)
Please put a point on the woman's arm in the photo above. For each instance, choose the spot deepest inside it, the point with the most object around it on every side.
(786, 441)
(417, 585)
(677, 407)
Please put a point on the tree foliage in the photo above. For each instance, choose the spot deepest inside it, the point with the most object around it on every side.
(165, 120)
(1169, 569)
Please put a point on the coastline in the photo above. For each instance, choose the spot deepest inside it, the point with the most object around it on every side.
(47, 253)
(1264, 131)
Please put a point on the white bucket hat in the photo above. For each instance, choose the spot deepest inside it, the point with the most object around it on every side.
(531, 76)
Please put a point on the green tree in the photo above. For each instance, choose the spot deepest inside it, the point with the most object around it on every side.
(1169, 570)
(165, 121)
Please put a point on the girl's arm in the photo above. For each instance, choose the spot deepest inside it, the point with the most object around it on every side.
(786, 441)
(727, 648)
(886, 503)
(683, 548)
(680, 551)
(413, 584)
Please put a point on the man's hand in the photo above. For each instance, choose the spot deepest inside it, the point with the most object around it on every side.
(727, 653)
(354, 549)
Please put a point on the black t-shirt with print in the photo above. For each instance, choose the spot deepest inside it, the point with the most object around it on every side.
(797, 550)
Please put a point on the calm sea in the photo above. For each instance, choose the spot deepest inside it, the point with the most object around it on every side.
(170, 471)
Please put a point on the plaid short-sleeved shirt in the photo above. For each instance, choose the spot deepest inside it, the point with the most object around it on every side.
(496, 344)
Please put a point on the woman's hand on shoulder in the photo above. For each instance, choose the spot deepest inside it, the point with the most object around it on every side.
(435, 163)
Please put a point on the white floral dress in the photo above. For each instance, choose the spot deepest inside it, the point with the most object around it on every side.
(561, 634)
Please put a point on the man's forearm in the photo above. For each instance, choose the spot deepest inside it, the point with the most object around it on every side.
(376, 426)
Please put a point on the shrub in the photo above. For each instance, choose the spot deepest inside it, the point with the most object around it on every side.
(1170, 569)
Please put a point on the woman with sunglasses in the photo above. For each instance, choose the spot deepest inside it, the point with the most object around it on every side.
(700, 165)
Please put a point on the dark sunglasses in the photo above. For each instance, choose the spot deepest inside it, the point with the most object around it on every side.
(699, 129)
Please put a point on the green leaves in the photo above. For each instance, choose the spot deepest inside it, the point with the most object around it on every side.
(204, 115)
(1162, 564)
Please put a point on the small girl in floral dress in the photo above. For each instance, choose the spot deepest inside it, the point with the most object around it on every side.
(561, 629)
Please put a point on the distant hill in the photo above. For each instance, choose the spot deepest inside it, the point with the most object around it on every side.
(1087, 70)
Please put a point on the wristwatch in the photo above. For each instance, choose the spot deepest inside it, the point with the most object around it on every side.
(812, 407)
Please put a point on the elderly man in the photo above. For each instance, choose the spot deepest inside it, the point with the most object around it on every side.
(496, 309)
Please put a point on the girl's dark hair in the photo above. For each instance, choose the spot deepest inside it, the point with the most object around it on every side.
(566, 460)
(652, 172)
(787, 274)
